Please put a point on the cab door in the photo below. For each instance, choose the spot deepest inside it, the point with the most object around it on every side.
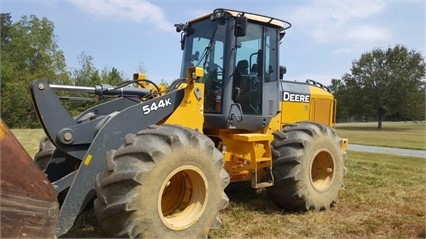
(270, 72)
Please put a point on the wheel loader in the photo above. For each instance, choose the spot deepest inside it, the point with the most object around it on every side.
(156, 161)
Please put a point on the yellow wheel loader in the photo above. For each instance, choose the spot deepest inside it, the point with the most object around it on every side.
(157, 161)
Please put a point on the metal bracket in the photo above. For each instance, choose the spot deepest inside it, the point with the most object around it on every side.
(198, 93)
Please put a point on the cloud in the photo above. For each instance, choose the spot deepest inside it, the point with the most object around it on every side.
(331, 21)
(138, 11)
(367, 33)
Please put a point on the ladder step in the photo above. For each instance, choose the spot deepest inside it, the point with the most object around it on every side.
(263, 185)
(266, 182)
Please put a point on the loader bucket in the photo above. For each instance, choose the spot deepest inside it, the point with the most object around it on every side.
(29, 208)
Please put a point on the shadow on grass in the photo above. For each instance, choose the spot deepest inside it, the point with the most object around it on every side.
(242, 194)
(86, 226)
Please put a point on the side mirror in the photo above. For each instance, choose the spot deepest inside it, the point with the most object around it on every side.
(240, 26)
(283, 70)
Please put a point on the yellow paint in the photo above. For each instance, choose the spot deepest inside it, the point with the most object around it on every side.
(252, 137)
(292, 112)
(145, 84)
(274, 125)
(139, 76)
(345, 143)
(88, 159)
(190, 112)
(246, 154)
(198, 72)
(2, 130)
(322, 106)
(321, 109)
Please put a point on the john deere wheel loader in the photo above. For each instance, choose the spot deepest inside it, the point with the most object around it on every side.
(158, 162)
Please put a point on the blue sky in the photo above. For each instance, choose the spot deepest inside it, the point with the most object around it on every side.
(325, 38)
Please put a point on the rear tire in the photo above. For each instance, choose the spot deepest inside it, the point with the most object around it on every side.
(165, 182)
(45, 152)
(308, 166)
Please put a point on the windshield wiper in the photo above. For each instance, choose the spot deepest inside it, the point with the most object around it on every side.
(208, 48)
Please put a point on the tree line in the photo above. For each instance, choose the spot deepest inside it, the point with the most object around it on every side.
(383, 84)
(29, 51)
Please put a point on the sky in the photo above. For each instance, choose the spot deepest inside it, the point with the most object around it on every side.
(324, 40)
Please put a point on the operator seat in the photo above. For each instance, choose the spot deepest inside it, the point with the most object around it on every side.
(241, 84)
(240, 71)
(242, 67)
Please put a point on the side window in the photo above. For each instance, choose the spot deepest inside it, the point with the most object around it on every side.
(246, 79)
(271, 54)
(249, 46)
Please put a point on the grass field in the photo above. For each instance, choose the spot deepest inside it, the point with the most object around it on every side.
(384, 195)
(407, 135)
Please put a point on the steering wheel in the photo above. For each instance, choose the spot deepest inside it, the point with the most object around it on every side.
(211, 66)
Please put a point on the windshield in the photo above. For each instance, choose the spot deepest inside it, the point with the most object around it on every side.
(204, 47)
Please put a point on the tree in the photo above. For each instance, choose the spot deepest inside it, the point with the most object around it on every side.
(87, 74)
(29, 51)
(141, 68)
(111, 76)
(385, 82)
(338, 89)
(6, 24)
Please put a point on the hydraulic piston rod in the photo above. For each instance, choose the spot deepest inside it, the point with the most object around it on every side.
(103, 90)
(80, 89)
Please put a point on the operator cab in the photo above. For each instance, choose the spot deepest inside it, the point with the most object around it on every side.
(239, 52)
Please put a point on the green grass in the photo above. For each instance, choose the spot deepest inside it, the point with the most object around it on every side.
(29, 138)
(407, 135)
(384, 196)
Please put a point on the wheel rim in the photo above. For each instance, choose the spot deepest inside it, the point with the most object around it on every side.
(182, 198)
(322, 170)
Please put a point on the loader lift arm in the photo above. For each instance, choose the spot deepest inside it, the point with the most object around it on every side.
(89, 141)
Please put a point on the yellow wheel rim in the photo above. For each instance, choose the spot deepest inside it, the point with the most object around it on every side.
(182, 198)
(322, 170)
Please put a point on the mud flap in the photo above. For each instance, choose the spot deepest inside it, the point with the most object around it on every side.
(29, 208)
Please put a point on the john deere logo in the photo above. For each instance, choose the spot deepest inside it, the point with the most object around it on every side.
(293, 97)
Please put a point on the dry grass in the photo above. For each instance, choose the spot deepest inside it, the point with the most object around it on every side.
(407, 135)
(381, 199)
(384, 197)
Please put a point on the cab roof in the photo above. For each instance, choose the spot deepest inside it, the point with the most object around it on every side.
(282, 24)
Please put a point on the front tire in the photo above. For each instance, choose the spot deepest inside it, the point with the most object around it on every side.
(165, 182)
(308, 166)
